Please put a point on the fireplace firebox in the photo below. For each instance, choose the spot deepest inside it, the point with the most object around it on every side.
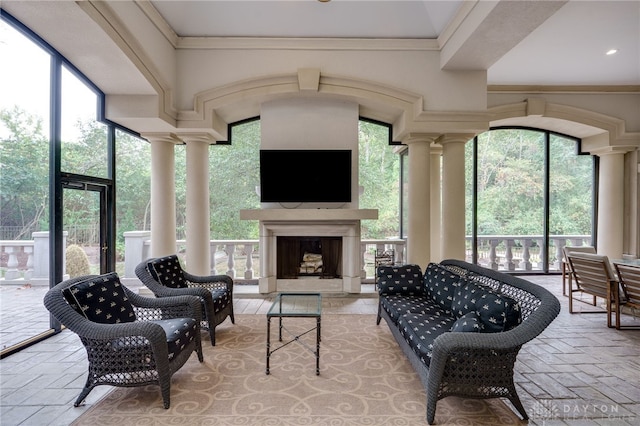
(309, 257)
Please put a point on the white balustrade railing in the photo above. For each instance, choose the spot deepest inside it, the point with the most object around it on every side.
(522, 252)
(240, 259)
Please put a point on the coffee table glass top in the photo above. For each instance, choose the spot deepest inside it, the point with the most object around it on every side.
(296, 304)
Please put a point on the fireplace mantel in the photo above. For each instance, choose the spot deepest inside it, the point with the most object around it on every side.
(310, 222)
(308, 214)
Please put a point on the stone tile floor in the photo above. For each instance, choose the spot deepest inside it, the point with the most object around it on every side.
(578, 372)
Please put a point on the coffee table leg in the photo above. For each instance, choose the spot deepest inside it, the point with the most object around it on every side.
(318, 347)
(268, 342)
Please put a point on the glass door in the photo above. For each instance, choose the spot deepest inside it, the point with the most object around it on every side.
(84, 233)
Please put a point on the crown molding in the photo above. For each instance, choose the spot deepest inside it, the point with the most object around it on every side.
(618, 89)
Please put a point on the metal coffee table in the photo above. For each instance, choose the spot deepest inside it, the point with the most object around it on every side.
(295, 305)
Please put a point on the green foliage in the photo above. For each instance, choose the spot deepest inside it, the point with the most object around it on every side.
(379, 169)
(511, 184)
(76, 261)
(24, 168)
(234, 175)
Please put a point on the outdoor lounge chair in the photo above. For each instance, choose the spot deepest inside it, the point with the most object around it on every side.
(165, 277)
(566, 268)
(130, 340)
(592, 274)
(629, 295)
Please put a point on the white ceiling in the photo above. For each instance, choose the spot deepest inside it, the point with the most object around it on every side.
(567, 48)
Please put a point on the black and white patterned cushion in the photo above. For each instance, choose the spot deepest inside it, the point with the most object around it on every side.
(468, 323)
(167, 271)
(179, 331)
(420, 330)
(406, 279)
(220, 299)
(465, 298)
(496, 312)
(397, 305)
(441, 284)
(101, 299)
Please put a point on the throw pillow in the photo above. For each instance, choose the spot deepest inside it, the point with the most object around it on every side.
(441, 284)
(101, 299)
(167, 271)
(468, 323)
(497, 312)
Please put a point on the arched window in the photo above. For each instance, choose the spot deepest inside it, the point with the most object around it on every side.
(529, 192)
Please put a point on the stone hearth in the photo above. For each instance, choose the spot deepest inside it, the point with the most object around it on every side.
(343, 223)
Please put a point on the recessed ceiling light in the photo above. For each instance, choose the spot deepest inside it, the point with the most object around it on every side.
(612, 51)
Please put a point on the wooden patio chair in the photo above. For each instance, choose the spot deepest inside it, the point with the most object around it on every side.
(629, 294)
(566, 268)
(592, 274)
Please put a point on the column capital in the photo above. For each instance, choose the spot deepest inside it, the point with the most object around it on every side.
(412, 138)
(611, 150)
(162, 137)
(455, 138)
(202, 137)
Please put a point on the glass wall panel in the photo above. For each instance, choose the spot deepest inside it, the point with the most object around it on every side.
(84, 140)
(511, 199)
(404, 182)
(133, 184)
(234, 176)
(570, 197)
(24, 186)
(379, 168)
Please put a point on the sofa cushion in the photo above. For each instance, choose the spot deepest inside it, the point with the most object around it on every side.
(397, 305)
(167, 271)
(468, 323)
(406, 279)
(101, 299)
(440, 283)
(465, 298)
(420, 330)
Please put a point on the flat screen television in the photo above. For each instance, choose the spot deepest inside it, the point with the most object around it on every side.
(305, 176)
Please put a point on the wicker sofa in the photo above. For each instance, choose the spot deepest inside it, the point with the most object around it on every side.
(461, 326)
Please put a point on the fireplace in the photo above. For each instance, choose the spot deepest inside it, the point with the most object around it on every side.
(327, 228)
(298, 257)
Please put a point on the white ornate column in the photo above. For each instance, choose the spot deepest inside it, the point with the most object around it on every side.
(419, 215)
(436, 204)
(197, 209)
(453, 195)
(611, 204)
(163, 193)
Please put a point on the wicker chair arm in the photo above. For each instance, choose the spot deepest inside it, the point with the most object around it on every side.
(211, 282)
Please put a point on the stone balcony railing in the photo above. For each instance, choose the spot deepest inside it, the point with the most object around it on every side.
(28, 261)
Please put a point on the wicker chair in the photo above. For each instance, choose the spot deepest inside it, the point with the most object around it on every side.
(629, 294)
(165, 277)
(130, 340)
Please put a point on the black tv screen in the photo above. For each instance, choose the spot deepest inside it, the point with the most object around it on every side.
(305, 176)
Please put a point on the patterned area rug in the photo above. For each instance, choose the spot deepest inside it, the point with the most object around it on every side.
(364, 380)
